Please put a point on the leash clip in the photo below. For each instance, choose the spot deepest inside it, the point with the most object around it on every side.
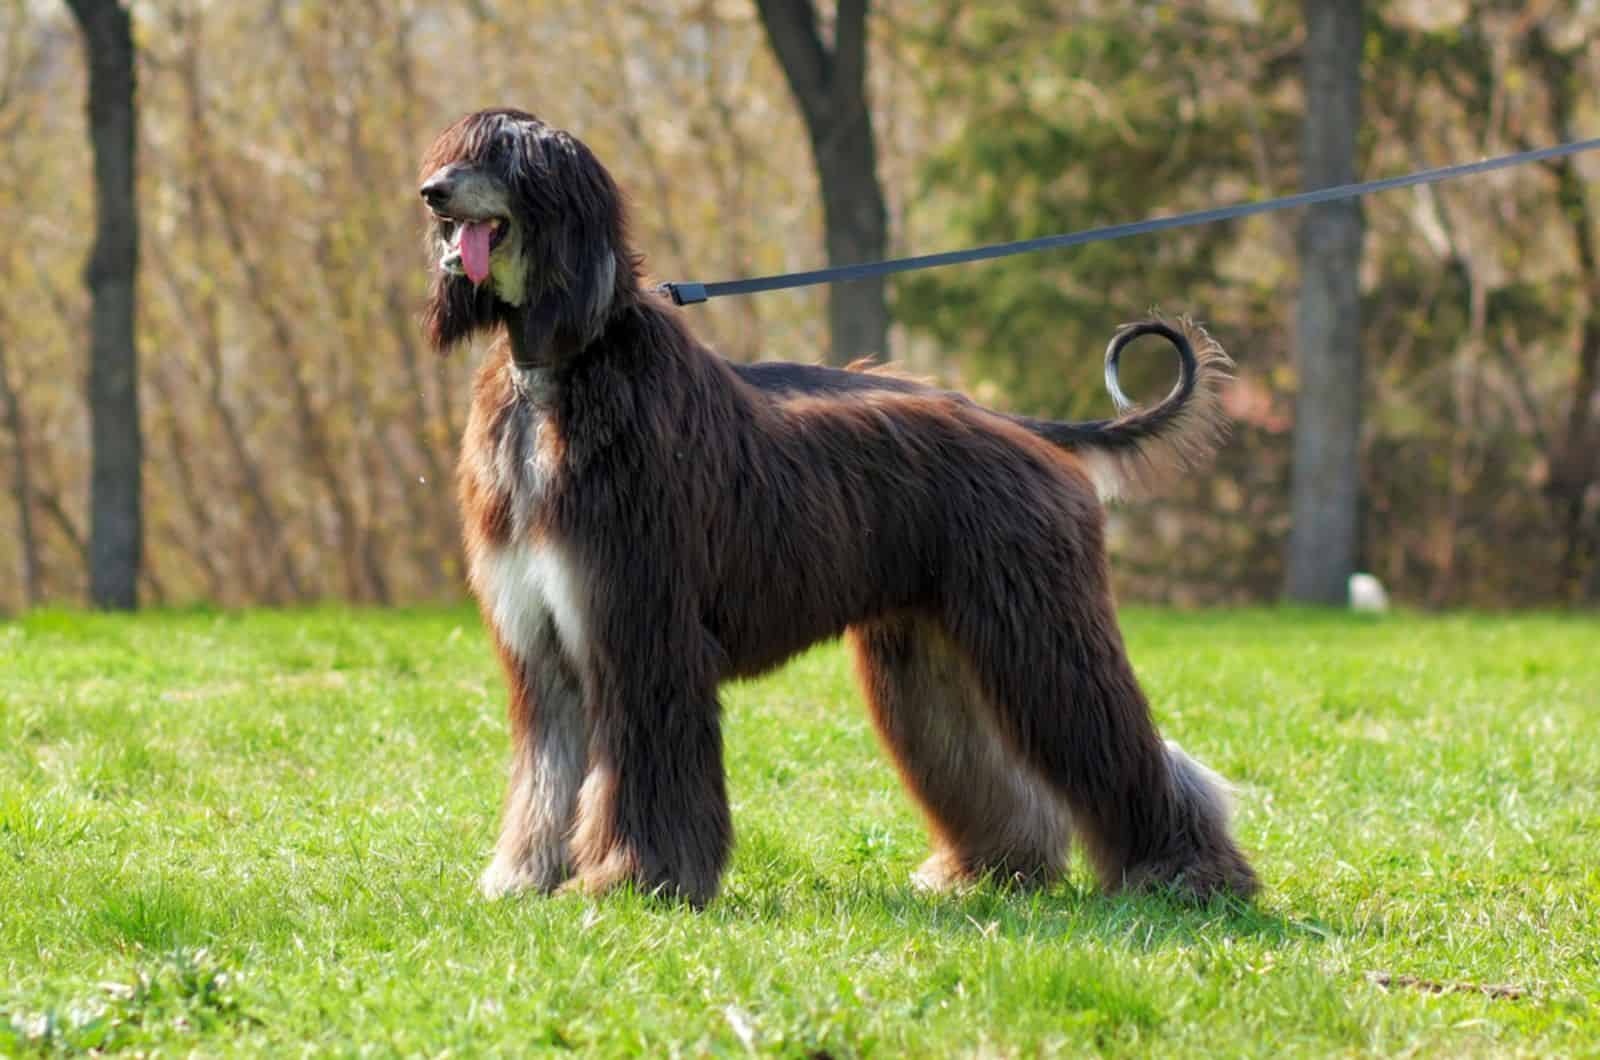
(684, 293)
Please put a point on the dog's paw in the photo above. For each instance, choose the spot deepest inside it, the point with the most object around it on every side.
(621, 868)
(1197, 878)
(946, 873)
(496, 883)
(942, 873)
(506, 879)
(613, 871)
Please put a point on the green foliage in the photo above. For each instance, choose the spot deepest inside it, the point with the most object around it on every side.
(1069, 122)
(258, 833)
(299, 439)
(1475, 313)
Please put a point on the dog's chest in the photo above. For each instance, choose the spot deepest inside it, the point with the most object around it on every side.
(526, 577)
(523, 469)
(530, 589)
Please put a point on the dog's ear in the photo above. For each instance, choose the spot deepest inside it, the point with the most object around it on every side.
(571, 213)
(593, 286)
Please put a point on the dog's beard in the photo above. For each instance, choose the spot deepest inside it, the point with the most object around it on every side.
(456, 308)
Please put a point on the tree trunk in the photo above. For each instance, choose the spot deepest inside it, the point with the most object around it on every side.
(1323, 542)
(116, 527)
(21, 483)
(830, 88)
(1573, 465)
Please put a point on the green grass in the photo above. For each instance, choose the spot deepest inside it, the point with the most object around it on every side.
(260, 833)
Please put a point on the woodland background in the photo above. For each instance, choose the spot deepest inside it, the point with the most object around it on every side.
(298, 439)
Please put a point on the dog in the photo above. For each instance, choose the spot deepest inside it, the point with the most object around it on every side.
(644, 520)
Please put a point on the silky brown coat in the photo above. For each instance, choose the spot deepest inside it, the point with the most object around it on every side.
(644, 520)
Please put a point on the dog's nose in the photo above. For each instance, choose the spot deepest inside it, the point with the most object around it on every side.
(436, 190)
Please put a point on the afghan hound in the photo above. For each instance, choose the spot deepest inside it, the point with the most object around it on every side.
(644, 519)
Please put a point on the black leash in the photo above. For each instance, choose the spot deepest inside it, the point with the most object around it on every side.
(691, 293)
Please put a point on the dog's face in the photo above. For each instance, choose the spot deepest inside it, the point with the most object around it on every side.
(471, 225)
(474, 231)
(524, 222)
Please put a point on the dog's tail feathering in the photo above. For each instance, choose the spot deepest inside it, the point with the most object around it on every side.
(1131, 453)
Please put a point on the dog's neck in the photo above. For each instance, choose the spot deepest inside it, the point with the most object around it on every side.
(538, 386)
(537, 345)
(545, 335)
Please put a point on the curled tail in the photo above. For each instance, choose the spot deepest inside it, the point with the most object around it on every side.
(1138, 448)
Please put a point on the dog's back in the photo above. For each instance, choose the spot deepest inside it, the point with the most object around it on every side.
(1128, 454)
(846, 502)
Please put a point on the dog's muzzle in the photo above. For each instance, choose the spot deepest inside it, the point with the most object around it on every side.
(472, 212)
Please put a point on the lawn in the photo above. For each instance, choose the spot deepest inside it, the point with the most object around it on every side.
(259, 833)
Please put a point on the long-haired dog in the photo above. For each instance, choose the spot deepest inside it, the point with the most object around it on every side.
(644, 519)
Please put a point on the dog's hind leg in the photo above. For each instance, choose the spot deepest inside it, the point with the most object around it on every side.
(548, 754)
(1034, 613)
(989, 813)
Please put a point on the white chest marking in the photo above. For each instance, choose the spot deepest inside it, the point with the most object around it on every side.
(523, 584)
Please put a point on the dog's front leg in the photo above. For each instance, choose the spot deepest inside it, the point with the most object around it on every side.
(654, 808)
(549, 741)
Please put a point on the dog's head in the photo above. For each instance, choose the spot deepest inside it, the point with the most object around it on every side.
(526, 227)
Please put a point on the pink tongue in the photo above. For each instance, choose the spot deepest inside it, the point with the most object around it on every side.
(475, 250)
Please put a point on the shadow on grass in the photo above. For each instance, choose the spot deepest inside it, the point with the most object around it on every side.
(782, 887)
(1136, 922)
